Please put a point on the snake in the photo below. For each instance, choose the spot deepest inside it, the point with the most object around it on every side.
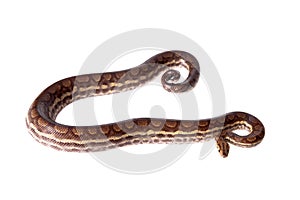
(41, 118)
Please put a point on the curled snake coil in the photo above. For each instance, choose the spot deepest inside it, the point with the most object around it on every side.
(42, 113)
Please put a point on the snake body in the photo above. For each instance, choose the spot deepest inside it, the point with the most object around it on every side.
(42, 113)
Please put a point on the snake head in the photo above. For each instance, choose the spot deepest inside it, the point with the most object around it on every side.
(223, 147)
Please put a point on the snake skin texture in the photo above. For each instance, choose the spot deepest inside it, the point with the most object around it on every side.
(42, 113)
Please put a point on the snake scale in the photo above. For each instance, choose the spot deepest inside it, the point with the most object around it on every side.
(42, 113)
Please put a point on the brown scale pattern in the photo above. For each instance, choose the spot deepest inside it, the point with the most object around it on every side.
(43, 111)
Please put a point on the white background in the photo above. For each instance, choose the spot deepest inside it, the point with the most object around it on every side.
(255, 47)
